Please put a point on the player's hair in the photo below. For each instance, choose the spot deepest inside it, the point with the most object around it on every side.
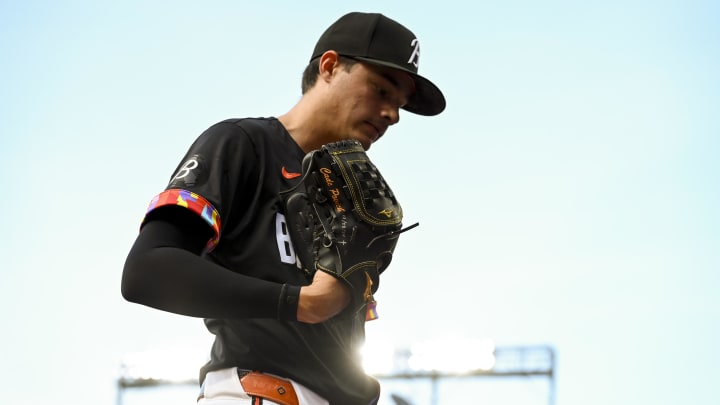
(310, 74)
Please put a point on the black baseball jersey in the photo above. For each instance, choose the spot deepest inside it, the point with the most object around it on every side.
(231, 177)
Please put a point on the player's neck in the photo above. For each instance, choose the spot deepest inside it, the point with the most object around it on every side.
(305, 124)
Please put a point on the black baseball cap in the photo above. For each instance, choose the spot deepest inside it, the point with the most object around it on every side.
(376, 39)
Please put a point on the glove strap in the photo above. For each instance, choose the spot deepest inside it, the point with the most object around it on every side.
(371, 311)
(371, 305)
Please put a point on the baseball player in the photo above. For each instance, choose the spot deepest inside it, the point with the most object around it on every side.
(215, 244)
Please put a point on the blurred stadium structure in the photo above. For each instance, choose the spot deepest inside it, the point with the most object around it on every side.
(434, 361)
(519, 361)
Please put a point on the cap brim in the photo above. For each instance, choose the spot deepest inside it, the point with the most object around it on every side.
(427, 98)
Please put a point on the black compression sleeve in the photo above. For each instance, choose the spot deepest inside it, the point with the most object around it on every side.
(165, 271)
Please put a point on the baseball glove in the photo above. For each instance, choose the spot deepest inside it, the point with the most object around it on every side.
(343, 219)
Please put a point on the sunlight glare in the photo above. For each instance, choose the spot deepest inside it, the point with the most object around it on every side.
(453, 355)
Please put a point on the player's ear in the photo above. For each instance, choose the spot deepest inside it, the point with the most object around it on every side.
(328, 62)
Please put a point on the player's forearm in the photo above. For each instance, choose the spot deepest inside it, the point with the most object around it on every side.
(177, 280)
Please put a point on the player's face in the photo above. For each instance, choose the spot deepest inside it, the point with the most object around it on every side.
(369, 99)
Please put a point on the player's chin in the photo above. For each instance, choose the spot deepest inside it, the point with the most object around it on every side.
(365, 140)
(367, 137)
(366, 143)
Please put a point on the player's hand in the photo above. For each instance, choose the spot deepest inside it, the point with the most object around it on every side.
(324, 298)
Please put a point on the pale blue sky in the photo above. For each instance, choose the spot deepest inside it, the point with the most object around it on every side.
(568, 195)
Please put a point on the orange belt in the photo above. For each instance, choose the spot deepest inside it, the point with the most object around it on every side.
(268, 387)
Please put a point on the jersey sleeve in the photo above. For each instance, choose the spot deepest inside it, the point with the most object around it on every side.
(219, 163)
(193, 202)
